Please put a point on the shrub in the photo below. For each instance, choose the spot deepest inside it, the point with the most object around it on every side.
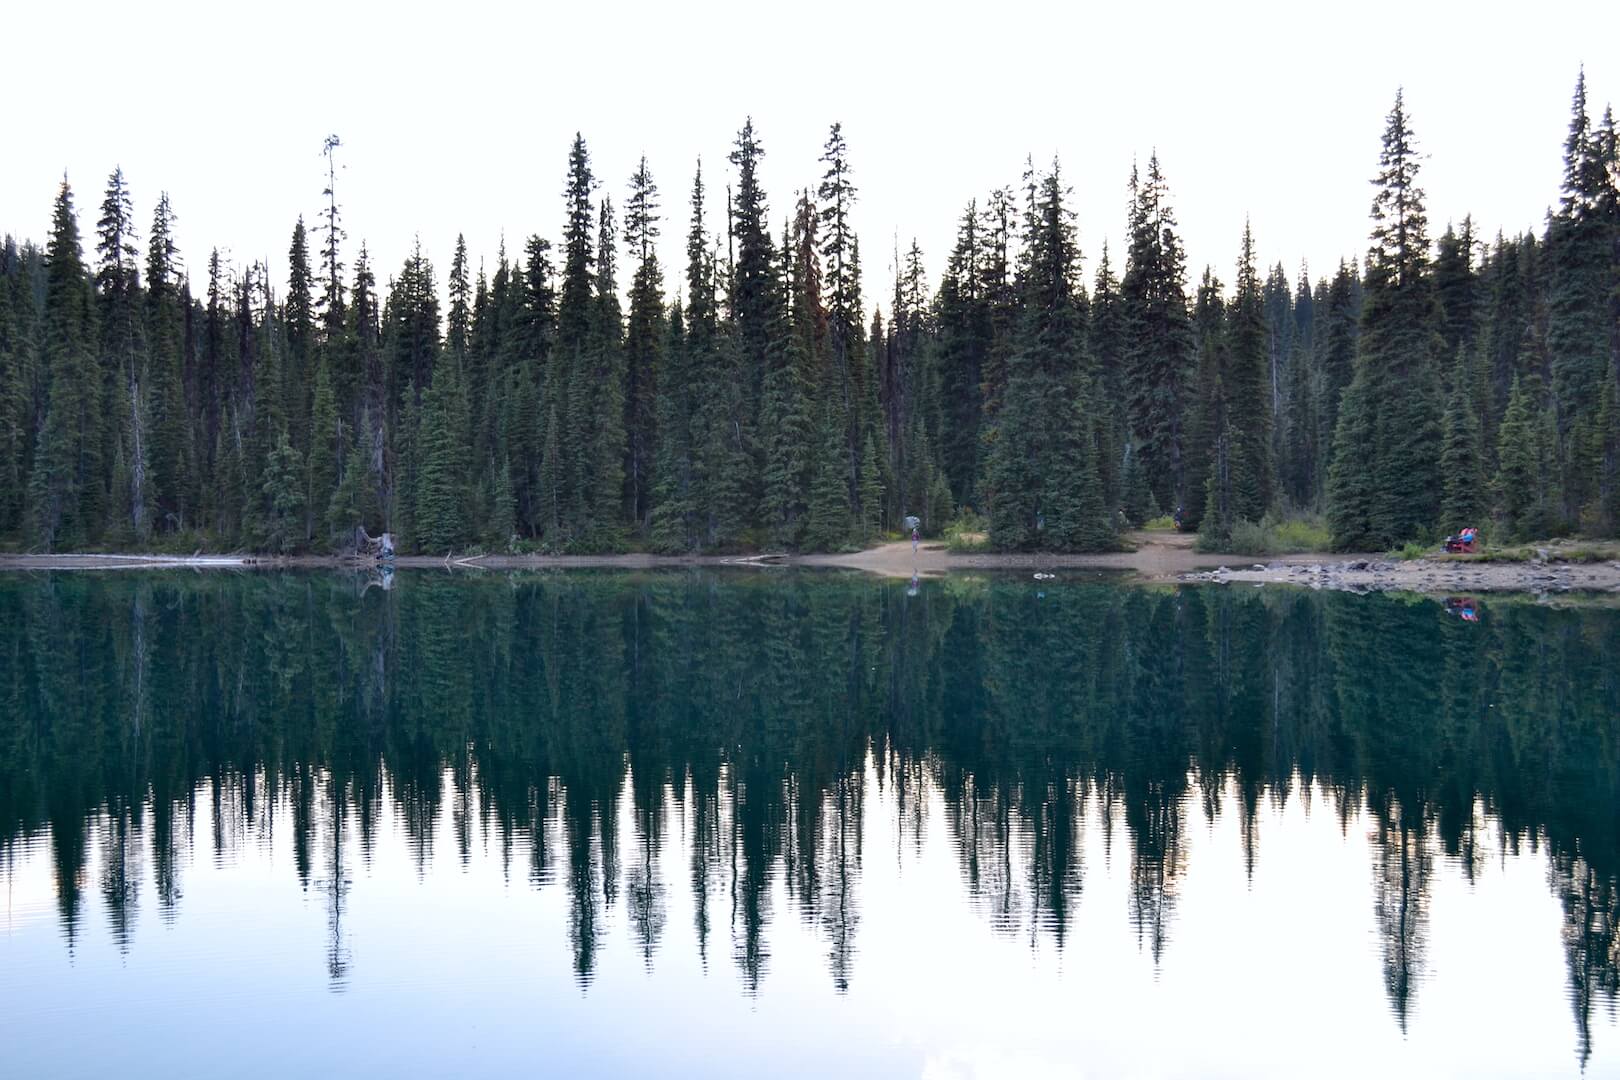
(1270, 536)
(967, 532)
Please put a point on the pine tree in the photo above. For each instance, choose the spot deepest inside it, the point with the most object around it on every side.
(1518, 463)
(1456, 286)
(333, 317)
(1462, 458)
(67, 488)
(14, 375)
(1115, 444)
(1045, 487)
(845, 347)
(440, 520)
(871, 488)
(325, 459)
(1396, 364)
(672, 525)
(602, 471)
(298, 317)
(785, 428)
(1248, 389)
(1609, 465)
(754, 348)
(643, 346)
(170, 426)
(1582, 241)
(123, 354)
(570, 375)
(828, 524)
(1208, 419)
(402, 494)
(1335, 361)
(502, 525)
(1159, 345)
(283, 489)
(1351, 492)
(965, 331)
(345, 509)
(1298, 426)
(460, 318)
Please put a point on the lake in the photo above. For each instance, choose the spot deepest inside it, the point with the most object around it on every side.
(801, 824)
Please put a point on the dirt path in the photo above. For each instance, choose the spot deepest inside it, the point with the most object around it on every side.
(1159, 556)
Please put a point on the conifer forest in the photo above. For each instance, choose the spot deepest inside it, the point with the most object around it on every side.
(769, 395)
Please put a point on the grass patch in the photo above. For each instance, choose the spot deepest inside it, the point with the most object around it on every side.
(969, 533)
(1270, 536)
(1162, 523)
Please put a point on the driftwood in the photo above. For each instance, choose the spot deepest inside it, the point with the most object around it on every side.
(366, 546)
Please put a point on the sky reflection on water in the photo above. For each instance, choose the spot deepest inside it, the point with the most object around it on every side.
(686, 824)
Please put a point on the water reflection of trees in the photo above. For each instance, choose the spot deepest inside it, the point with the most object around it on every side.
(138, 712)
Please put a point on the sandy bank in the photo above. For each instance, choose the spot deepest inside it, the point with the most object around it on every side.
(1158, 557)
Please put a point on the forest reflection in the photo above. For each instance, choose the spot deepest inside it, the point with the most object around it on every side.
(142, 714)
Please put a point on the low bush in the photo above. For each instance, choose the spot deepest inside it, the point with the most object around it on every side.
(1270, 536)
(969, 532)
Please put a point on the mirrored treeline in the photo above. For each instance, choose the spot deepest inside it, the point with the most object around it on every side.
(141, 714)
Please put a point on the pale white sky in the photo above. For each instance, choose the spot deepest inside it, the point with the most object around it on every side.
(457, 117)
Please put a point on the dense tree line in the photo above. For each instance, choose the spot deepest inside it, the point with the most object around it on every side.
(142, 715)
(573, 399)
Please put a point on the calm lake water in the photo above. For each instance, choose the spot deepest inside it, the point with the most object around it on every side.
(800, 825)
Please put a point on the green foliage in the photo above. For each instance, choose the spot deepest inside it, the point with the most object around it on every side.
(440, 522)
(1272, 535)
(345, 508)
(1462, 462)
(1160, 348)
(1044, 476)
(326, 448)
(758, 408)
(1385, 481)
(283, 490)
(1526, 484)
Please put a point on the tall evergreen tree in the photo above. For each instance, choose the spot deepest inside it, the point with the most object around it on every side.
(674, 513)
(1582, 240)
(123, 357)
(298, 315)
(327, 457)
(1209, 417)
(1044, 485)
(643, 345)
(965, 333)
(1335, 350)
(1464, 498)
(602, 470)
(760, 359)
(846, 352)
(283, 488)
(1388, 491)
(1250, 392)
(440, 518)
(165, 325)
(67, 488)
(1159, 346)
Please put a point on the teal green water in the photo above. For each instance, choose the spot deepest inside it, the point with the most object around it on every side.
(601, 824)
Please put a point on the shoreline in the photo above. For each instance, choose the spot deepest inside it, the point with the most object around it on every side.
(1163, 558)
